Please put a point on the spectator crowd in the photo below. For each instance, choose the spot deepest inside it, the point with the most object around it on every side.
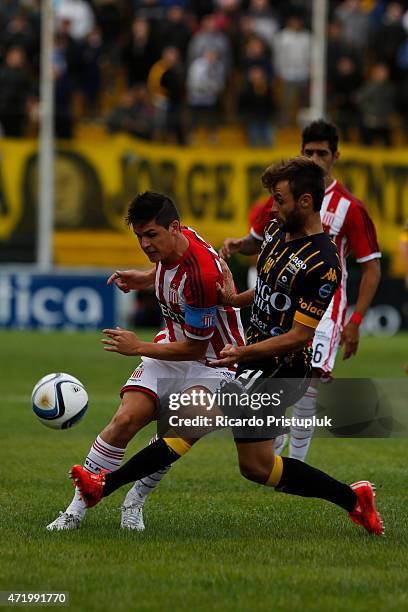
(180, 65)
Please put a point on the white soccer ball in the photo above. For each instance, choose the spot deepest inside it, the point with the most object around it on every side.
(59, 400)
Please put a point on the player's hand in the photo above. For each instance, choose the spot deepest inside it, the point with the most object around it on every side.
(229, 247)
(121, 341)
(126, 280)
(350, 339)
(230, 354)
(227, 291)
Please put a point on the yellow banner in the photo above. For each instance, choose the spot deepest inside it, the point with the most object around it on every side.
(213, 190)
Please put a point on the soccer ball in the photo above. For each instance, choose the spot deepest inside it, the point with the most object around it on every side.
(59, 400)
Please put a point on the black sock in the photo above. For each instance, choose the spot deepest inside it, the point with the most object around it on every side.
(154, 457)
(301, 479)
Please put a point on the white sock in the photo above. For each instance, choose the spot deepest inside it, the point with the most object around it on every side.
(143, 487)
(300, 437)
(102, 456)
(279, 444)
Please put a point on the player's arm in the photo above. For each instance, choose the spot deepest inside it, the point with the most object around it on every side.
(360, 231)
(126, 280)
(128, 343)
(311, 308)
(227, 292)
(248, 245)
(294, 340)
(370, 279)
(200, 313)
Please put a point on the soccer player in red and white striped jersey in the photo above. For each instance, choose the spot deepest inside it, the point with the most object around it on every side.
(190, 285)
(347, 221)
(197, 327)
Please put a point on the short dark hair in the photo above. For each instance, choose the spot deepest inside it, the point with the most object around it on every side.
(303, 176)
(152, 206)
(320, 130)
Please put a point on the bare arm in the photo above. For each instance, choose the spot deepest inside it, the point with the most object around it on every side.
(228, 294)
(370, 278)
(294, 340)
(248, 245)
(126, 280)
(127, 343)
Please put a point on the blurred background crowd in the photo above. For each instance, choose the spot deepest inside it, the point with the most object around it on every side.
(169, 70)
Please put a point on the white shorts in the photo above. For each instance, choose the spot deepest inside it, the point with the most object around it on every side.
(159, 378)
(326, 343)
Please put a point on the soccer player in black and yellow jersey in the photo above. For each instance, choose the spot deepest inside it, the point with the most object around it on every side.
(298, 272)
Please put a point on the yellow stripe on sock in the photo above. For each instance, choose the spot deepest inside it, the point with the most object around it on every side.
(180, 446)
(276, 474)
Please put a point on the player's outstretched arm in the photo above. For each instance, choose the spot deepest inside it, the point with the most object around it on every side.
(128, 343)
(294, 340)
(248, 245)
(370, 278)
(126, 280)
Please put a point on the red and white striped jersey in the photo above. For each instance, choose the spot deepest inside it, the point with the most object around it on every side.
(188, 299)
(347, 221)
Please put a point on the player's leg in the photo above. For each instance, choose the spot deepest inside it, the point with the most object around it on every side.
(132, 508)
(325, 346)
(155, 457)
(136, 410)
(258, 463)
(139, 399)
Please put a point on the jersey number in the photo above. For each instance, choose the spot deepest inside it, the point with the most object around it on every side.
(318, 355)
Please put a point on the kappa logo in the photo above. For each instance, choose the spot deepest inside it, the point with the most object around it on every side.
(331, 275)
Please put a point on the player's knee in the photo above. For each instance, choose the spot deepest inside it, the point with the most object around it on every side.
(125, 424)
(252, 471)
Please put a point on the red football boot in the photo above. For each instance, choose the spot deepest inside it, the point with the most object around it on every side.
(365, 512)
(89, 485)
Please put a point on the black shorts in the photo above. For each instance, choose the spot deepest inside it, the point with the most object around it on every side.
(284, 384)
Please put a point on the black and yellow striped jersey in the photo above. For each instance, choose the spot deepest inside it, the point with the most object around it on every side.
(296, 282)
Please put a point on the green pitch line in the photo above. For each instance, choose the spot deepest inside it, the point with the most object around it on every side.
(213, 541)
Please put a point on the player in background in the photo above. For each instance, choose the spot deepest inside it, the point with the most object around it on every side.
(287, 294)
(347, 221)
(186, 273)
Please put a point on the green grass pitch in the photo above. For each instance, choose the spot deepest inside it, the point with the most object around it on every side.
(213, 541)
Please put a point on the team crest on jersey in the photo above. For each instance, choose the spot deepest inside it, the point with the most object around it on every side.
(328, 219)
(331, 275)
(173, 295)
(207, 320)
(137, 373)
